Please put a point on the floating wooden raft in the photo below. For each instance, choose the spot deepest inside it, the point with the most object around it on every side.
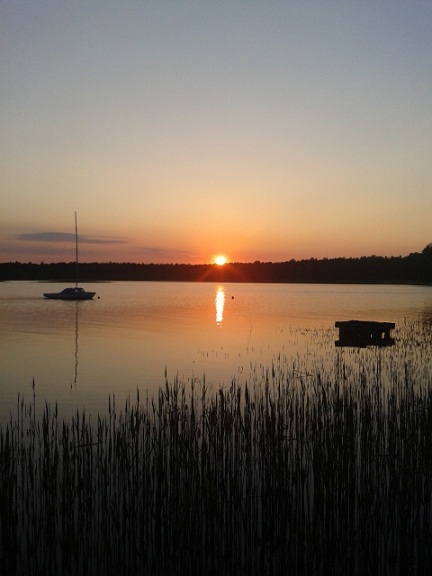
(362, 333)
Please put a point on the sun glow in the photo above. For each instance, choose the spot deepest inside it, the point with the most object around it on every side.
(220, 260)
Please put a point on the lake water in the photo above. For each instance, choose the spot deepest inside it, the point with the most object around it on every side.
(135, 335)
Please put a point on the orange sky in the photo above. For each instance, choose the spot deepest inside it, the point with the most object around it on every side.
(261, 131)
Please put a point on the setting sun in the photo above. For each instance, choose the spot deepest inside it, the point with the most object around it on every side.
(220, 260)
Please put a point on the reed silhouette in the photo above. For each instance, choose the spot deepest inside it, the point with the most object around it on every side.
(293, 472)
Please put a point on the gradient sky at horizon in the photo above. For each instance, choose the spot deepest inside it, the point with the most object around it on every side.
(180, 130)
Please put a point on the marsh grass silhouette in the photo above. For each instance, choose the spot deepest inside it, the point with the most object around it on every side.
(294, 472)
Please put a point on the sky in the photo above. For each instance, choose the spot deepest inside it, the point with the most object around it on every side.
(180, 130)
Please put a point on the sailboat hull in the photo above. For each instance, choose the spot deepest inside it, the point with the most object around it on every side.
(70, 294)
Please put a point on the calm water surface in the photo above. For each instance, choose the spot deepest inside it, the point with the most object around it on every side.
(134, 335)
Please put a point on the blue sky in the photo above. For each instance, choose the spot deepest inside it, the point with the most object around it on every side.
(181, 130)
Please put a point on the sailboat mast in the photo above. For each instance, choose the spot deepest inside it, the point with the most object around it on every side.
(76, 251)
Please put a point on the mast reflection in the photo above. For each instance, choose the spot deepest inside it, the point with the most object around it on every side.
(76, 344)
(220, 302)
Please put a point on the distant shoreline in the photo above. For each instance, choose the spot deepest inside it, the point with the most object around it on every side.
(413, 269)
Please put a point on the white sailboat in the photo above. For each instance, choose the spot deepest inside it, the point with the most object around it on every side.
(76, 292)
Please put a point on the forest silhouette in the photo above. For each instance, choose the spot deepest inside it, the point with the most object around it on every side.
(414, 268)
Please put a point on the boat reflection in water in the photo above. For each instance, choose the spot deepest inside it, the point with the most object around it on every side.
(220, 302)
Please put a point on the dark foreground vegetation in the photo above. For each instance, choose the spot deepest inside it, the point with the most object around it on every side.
(322, 473)
(415, 268)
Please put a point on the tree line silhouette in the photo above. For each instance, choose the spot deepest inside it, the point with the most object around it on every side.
(414, 268)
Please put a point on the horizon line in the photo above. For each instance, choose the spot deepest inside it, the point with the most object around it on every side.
(256, 262)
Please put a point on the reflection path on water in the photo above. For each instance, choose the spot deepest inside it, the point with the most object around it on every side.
(220, 301)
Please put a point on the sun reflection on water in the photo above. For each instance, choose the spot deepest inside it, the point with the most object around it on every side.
(219, 301)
